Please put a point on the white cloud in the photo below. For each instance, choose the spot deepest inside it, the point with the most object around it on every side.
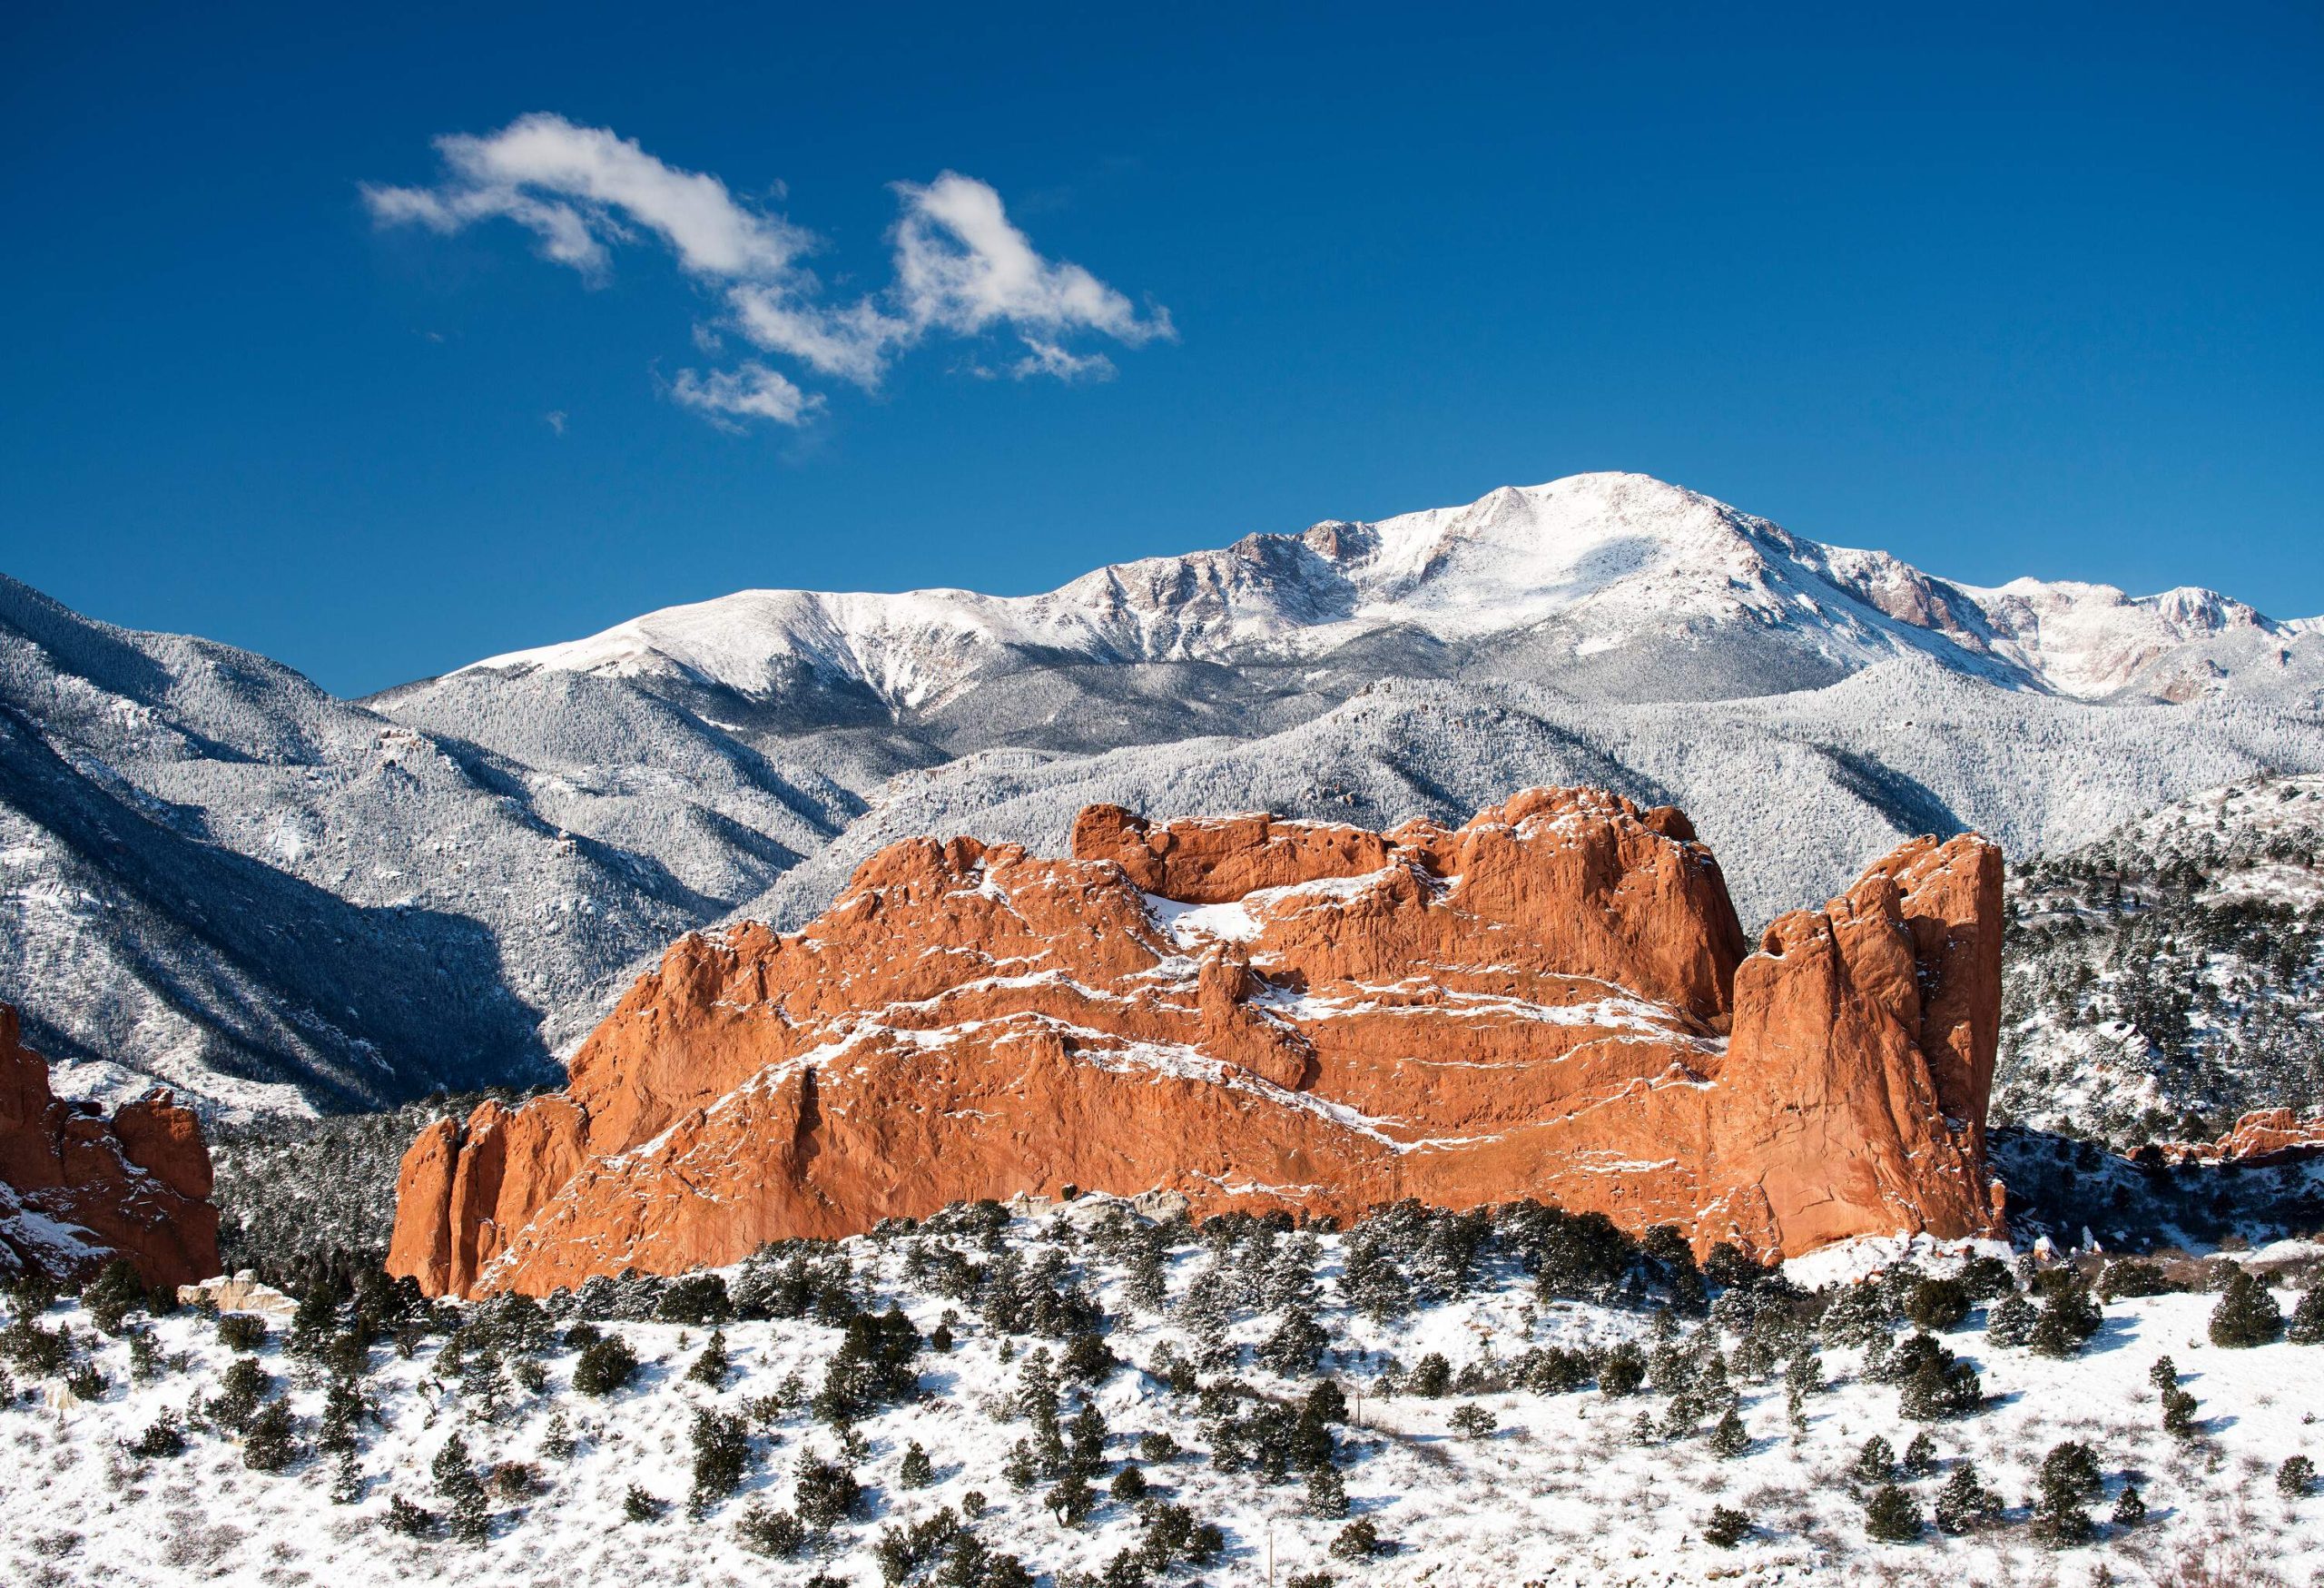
(752, 391)
(961, 265)
(853, 343)
(1050, 359)
(556, 420)
(578, 188)
(963, 268)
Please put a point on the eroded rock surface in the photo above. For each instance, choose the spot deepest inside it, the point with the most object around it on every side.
(77, 1189)
(1554, 1000)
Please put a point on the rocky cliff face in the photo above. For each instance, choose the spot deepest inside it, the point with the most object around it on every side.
(1554, 1000)
(77, 1189)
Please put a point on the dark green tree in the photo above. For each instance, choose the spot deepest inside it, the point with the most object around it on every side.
(1963, 1505)
(1891, 1515)
(2247, 1314)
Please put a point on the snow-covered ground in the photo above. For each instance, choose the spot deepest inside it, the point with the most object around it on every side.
(1558, 1492)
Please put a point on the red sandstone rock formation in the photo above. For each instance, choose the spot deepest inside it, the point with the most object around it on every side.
(1554, 1000)
(2264, 1136)
(77, 1189)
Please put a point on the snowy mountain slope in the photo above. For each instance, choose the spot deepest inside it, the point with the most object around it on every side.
(1529, 583)
(2165, 977)
(1795, 792)
(220, 875)
(553, 818)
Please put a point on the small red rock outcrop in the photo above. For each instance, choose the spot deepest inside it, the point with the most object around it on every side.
(1554, 1000)
(2264, 1136)
(78, 1190)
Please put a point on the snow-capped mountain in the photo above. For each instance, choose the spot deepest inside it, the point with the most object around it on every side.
(215, 873)
(1558, 580)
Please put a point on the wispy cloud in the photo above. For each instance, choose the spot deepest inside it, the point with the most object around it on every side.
(750, 392)
(962, 267)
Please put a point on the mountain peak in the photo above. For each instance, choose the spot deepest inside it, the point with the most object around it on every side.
(1578, 568)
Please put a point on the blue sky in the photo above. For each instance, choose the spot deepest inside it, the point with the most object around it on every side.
(2026, 290)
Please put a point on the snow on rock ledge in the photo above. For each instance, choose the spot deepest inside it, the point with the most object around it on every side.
(1554, 1000)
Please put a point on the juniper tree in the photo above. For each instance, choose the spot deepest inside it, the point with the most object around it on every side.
(557, 1440)
(903, 1551)
(2130, 1508)
(1373, 1279)
(1326, 1494)
(2179, 1409)
(463, 1491)
(1358, 1541)
(2297, 1477)
(145, 1361)
(2247, 1314)
(2307, 1324)
(240, 1389)
(1087, 1358)
(872, 1367)
(1920, 1455)
(1296, 1347)
(2011, 1321)
(769, 1532)
(713, 1366)
(915, 1471)
(2069, 1481)
(114, 1294)
(722, 1455)
(1086, 1441)
(240, 1331)
(1940, 1386)
(1147, 1287)
(1726, 1527)
(1729, 1437)
(1071, 1498)
(824, 1493)
(2163, 1375)
(1963, 1505)
(1622, 1368)
(343, 1410)
(2068, 1319)
(164, 1436)
(1472, 1422)
(1325, 1401)
(1876, 1463)
(606, 1365)
(1937, 1304)
(1891, 1515)
(1858, 1315)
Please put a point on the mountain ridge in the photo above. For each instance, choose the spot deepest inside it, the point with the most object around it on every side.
(217, 876)
(1632, 547)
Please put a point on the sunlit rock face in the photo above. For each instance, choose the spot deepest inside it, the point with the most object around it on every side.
(78, 1190)
(1554, 1000)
